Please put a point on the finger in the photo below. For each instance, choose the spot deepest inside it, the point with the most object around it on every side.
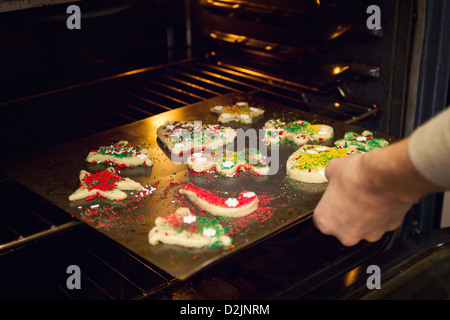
(329, 169)
(374, 236)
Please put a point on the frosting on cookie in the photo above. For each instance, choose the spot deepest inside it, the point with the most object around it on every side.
(297, 132)
(121, 154)
(244, 204)
(229, 163)
(188, 230)
(239, 111)
(309, 162)
(364, 142)
(183, 136)
(107, 184)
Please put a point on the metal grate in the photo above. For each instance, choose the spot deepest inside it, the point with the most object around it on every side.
(81, 110)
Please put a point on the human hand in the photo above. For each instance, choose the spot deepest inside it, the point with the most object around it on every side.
(354, 208)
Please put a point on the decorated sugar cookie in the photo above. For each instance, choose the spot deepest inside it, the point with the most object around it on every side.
(244, 204)
(229, 163)
(121, 154)
(239, 111)
(181, 137)
(364, 142)
(297, 132)
(308, 163)
(185, 229)
(106, 184)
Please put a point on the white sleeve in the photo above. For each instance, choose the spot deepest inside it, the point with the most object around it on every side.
(429, 149)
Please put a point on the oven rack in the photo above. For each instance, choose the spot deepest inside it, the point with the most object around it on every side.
(54, 117)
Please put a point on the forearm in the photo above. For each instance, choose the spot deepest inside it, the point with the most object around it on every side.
(391, 172)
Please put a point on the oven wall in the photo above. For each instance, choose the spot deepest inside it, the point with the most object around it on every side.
(38, 51)
(308, 39)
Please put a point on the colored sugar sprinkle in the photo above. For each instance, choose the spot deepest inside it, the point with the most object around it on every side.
(103, 180)
(311, 159)
(363, 142)
(107, 216)
(120, 150)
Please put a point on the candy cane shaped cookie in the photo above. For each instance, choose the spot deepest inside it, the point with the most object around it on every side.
(244, 204)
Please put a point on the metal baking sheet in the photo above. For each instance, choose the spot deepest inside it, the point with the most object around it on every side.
(53, 174)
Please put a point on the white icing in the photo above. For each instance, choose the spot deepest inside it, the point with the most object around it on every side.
(189, 219)
(249, 194)
(209, 232)
(228, 164)
(232, 202)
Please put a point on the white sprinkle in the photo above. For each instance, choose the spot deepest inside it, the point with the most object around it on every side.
(189, 219)
(95, 206)
(209, 232)
(249, 194)
(232, 202)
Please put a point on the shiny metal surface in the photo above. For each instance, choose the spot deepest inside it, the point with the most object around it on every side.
(53, 174)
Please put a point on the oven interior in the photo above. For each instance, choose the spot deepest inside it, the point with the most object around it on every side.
(134, 59)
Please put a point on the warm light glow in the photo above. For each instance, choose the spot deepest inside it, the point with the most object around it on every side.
(268, 48)
(351, 276)
(338, 70)
(213, 35)
(337, 104)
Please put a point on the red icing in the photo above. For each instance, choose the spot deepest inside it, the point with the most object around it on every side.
(216, 200)
(103, 180)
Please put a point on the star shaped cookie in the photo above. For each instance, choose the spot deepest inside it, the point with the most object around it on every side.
(106, 184)
(239, 111)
